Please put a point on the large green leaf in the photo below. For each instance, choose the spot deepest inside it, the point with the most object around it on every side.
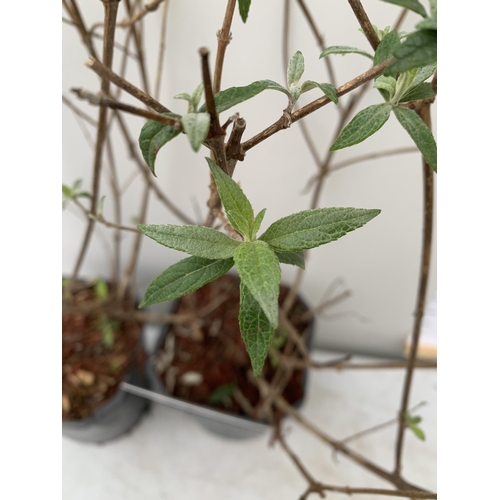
(244, 7)
(429, 23)
(184, 277)
(255, 329)
(363, 125)
(312, 228)
(419, 49)
(293, 258)
(232, 96)
(389, 44)
(413, 5)
(153, 136)
(199, 241)
(234, 200)
(343, 50)
(260, 272)
(196, 126)
(420, 133)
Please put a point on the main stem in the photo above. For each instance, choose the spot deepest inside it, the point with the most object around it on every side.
(428, 175)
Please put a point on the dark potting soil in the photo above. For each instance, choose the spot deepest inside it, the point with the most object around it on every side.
(91, 371)
(209, 363)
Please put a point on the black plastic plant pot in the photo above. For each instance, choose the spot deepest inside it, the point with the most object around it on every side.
(114, 418)
(224, 424)
(120, 412)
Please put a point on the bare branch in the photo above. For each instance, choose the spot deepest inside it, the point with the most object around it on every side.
(224, 37)
(105, 72)
(364, 22)
(428, 180)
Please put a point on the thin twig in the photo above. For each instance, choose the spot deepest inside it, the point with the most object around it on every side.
(360, 159)
(428, 181)
(380, 426)
(224, 37)
(118, 46)
(281, 403)
(99, 100)
(320, 488)
(149, 7)
(110, 11)
(146, 99)
(364, 22)
(161, 49)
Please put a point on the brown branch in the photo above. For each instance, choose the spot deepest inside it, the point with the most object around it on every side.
(320, 488)
(364, 22)
(315, 105)
(74, 13)
(118, 46)
(224, 37)
(319, 40)
(379, 426)
(400, 19)
(428, 180)
(161, 50)
(110, 11)
(149, 7)
(105, 72)
(233, 145)
(99, 100)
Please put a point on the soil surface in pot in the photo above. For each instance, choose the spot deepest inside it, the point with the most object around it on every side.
(208, 365)
(92, 370)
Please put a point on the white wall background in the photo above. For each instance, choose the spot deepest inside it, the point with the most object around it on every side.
(378, 263)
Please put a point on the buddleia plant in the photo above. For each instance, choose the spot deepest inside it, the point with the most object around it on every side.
(256, 258)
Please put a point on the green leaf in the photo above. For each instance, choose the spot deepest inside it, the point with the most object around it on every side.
(412, 420)
(233, 198)
(232, 96)
(295, 69)
(312, 228)
(184, 96)
(67, 191)
(387, 84)
(420, 133)
(196, 126)
(257, 222)
(363, 125)
(244, 7)
(413, 5)
(422, 74)
(423, 91)
(195, 98)
(428, 24)
(108, 334)
(154, 135)
(327, 88)
(418, 432)
(293, 258)
(240, 224)
(343, 50)
(222, 393)
(433, 6)
(199, 241)
(101, 289)
(386, 48)
(256, 331)
(184, 277)
(260, 272)
(419, 49)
